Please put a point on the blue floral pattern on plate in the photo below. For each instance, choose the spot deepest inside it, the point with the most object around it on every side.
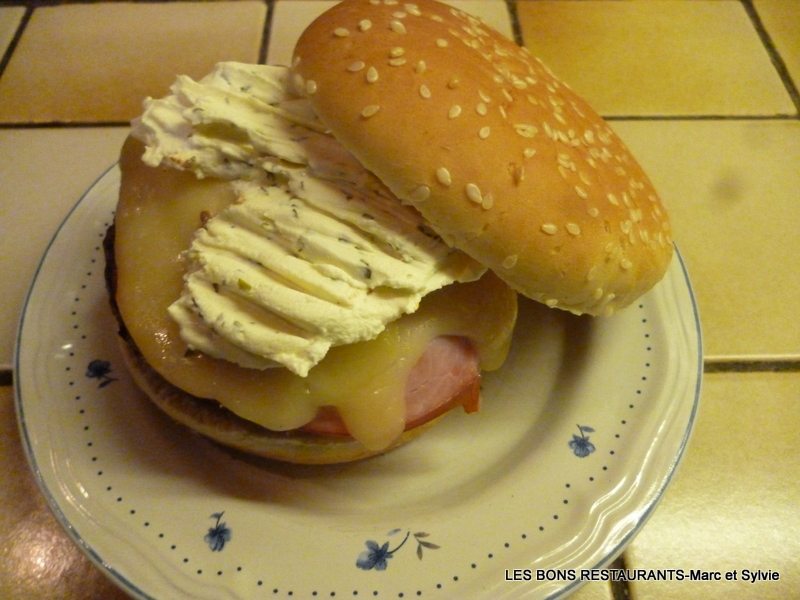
(377, 557)
(580, 444)
(100, 369)
(219, 535)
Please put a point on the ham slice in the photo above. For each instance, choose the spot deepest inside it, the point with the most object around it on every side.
(445, 376)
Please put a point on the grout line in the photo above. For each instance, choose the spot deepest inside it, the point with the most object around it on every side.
(772, 51)
(708, 117)
(267, 33)
(63, 124)
(516, 28)
(619, 587)
(752, 366)
(6, 377)
(12, 46)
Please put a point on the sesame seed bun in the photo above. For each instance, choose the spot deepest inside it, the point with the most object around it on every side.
(505, 161)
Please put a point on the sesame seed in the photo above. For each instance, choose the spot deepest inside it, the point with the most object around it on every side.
(484, 132)
(488, 201)
(397, 51)
(454, 82)
(625, 226)
(311, 86)
(442, 43)
(484, 96)
(508, 95)
(454, 111)
(525, 130)
(397, 26)
(341, 32)
(581, 192)
(625, 264)
(551, 302)
(397, 62)
(573, 228)
(613, 199)
(584, 178)
(593, 212)
(598, 293)
(481, 109)
(400, 14)
(529, 152)
(372, 75)
(365, 25)
(420, 67)
(549, 228)
(474, 193)
(370, 111)
(510, 261)
(413, 9)
(356, 66)
(421, 194)
(424, 91)
(591, 274)
(502, 110)
(443, 175)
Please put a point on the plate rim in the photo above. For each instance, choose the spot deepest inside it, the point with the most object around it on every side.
(130, 587)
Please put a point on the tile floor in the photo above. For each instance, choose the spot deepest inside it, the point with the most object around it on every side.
(705, 92)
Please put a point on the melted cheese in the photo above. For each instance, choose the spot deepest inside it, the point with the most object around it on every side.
(156, 217)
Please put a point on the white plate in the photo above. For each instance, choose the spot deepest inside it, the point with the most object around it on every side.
(578, 438)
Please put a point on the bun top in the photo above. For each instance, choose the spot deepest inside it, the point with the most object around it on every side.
(504, 161)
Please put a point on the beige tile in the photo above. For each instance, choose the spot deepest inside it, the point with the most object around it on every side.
(10, 19)
(670, 57)
(291, 17)
(289, 20)
(781, 19)
(43, 172)
(733, 191)
(734, 501)
(38, 561)
(96, 62)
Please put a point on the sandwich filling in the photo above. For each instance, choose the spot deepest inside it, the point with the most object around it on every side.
(313, 252)
(267, 245)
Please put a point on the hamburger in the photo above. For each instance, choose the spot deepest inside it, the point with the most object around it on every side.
(314, 263)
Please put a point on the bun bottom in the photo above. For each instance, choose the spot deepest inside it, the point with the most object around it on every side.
(224, 427)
